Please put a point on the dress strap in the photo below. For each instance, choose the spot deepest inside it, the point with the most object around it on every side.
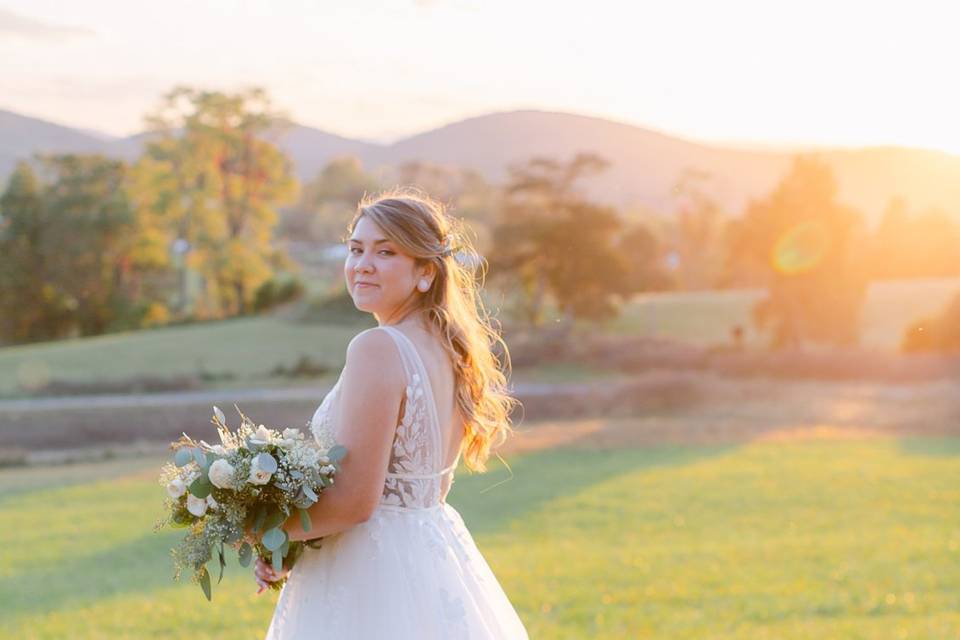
(413, 363)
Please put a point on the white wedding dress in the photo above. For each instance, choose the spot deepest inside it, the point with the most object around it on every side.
(412, 571)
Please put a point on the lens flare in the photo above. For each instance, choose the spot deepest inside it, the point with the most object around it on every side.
(800, 248)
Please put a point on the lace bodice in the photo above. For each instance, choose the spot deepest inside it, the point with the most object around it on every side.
(415, 478)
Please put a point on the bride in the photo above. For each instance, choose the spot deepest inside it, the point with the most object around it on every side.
(416, 392)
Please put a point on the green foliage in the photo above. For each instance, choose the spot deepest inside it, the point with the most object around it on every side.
(70, 245)
(805, 246)
(275, 292)
(210, 176)
(551, 240)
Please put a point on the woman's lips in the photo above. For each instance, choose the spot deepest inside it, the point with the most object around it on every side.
(361, 285)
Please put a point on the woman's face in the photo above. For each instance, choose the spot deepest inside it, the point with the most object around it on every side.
(380, 278)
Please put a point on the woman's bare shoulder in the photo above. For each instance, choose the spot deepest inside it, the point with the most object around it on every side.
(374, 351)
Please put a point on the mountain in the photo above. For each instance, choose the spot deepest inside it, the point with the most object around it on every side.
(645, 164)
(21, 137)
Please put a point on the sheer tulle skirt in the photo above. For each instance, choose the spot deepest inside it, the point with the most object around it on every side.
(403, 574)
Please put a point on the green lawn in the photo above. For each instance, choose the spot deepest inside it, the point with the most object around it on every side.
(248, 348)
(815, 539)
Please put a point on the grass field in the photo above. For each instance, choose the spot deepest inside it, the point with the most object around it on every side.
(249, 348)
(707, 317)
(795, 539)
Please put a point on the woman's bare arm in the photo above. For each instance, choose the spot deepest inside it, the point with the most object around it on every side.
(371, 389)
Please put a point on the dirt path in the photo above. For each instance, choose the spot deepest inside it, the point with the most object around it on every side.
(657, 407)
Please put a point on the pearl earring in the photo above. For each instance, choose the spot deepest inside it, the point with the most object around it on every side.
(424, 285)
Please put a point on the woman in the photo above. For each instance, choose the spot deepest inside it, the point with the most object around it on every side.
(415, 393)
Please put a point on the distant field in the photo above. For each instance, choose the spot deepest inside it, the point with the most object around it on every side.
(707, 317)
(789, 540)
(249, 348)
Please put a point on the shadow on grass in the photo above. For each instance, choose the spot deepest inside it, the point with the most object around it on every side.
(140, 565)
(930, 446)
(491, 501)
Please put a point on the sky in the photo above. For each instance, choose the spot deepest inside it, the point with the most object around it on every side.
(835, 73)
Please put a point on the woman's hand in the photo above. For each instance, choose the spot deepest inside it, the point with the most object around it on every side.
(263, 573)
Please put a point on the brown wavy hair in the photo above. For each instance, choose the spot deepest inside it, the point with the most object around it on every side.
(453, 306)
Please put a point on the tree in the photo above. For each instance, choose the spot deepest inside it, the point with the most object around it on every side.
(69, 247)
(922, 246)
(328, 202)
(211, 173)
(697, 232)
(552, 240)
(805, 246)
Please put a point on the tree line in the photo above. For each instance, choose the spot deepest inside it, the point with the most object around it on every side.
(191, 230)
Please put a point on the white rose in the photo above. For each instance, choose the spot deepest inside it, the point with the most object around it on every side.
(213, 504)
(292, 434)
(221, 474)
(176, 488)
(258, 475)
(196, 506)
(262, 436)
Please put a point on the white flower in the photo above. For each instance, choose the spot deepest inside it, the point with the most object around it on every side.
(213, 504)
(176, 488)
(328, 469)
(196, 506)
(221, 474)
(262, 436)
(292, 434)
(258, 475)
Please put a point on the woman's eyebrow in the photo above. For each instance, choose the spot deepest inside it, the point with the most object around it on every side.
(375, 242)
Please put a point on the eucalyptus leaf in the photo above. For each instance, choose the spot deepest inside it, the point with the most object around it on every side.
(219, 414)
(200, 458)
(266, 462)
(275, 518)
(205, 582)
(310, 493)
(277, 562)
(303, 502)
(223, 563)
(305, 520)
(182, 457)
(274, 538)
(245, 555)
(259, 518)
(336, 453)
(201, 487)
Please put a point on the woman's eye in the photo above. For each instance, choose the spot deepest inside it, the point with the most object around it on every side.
(353, 250)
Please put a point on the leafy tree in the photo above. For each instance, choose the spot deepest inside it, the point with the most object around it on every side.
(805, 246)
(69, 244)
(922, 246)
(329, 200)
(214, 178)
(697, 232)
(554, 241)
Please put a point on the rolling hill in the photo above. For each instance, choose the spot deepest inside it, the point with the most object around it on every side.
(644, 163)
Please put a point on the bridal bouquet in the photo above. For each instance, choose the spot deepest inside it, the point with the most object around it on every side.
(240, 492)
